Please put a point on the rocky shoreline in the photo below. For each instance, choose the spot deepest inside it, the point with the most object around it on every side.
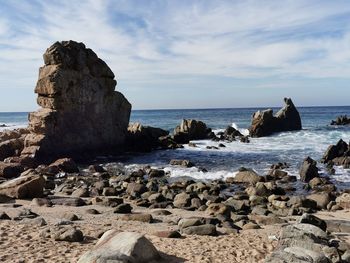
(57, 199)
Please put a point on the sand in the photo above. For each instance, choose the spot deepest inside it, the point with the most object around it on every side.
(20, 240)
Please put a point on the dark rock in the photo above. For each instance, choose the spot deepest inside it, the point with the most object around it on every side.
(184, 163)
(191, 130)
(66, 201)
(66, 165)
(156, 173)
(10, 170)
(341, 120)
(335, 151)
(308, 170)
(144, 138)
(287, 119)
(4, 216)
(168, 234)
(202, 230)
(123, 209)
(313, 220)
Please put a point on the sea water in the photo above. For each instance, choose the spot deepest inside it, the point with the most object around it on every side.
(259, 154)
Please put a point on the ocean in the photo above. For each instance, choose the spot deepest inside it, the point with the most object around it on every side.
(259, 154)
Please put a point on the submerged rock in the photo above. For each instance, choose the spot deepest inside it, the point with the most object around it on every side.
(286, 119)
(80, 109)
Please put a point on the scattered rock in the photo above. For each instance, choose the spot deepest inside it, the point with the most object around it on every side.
(168, 234)
(247, 176)
(145, 218)
(121, 247)
(308, 170)
(184, 163)
(202, 230)
(123, 209)
(28, 186)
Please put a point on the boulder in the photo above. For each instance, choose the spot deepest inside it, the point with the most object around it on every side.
(343, 200)
(313, 220)
(247, 176)
(80, 111)
(66, 165)
(202, 230)
(144, 138)
(116, 246)
(27, 186)
(334, 151)
(264, 123)
(308, 170)
(191, 130)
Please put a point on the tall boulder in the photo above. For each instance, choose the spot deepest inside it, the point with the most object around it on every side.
(308, 170)
(80, 109)
(264, 123)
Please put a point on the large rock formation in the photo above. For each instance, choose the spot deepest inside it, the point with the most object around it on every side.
(80, 111)
(286, 119)
(341, 120)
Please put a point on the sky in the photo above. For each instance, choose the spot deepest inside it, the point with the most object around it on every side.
(187, 54)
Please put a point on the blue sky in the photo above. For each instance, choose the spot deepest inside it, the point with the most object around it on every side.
(187, 54)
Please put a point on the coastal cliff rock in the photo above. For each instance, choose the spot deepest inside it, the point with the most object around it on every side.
(191, 130)
(81, 111)
(264, 123)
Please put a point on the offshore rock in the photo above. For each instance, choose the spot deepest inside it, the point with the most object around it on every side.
(81, 112)
(341, 120)
(144, 138)
(191, 130)
(264, 123)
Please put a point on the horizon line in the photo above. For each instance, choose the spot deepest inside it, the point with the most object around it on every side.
(211, 108)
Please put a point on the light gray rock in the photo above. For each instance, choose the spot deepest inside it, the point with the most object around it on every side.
(122, 247)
